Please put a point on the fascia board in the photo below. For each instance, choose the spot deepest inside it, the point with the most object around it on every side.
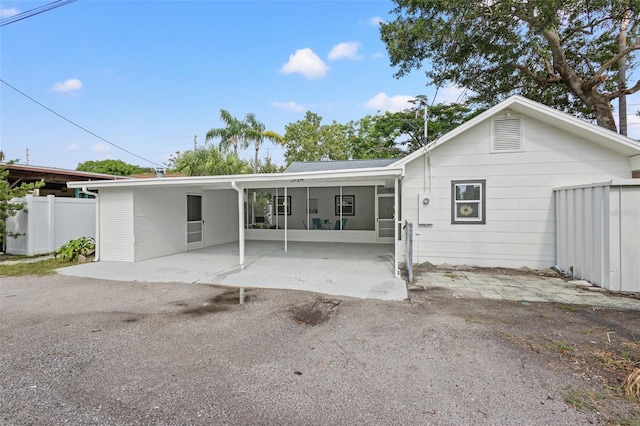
(240, 180)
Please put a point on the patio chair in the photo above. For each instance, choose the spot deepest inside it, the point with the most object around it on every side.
(317, 223)
(344, 224)
(304, 224)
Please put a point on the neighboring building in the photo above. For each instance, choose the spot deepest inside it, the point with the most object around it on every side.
(483, 195)
(55, 180)
(50, 218)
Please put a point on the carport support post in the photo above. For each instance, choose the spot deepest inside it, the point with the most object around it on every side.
(286, 208)
(395, 227)
(240, 224)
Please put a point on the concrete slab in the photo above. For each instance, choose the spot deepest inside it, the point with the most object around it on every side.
(357, 270)
(529, 288)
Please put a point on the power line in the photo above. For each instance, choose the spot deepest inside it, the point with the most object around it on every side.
(34, 12)
(79, 126)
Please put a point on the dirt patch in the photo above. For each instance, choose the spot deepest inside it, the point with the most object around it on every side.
(314, 313)
(219, 303)
(601, 347)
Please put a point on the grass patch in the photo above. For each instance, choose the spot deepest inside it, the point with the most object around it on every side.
(567, 308)
(582, 399)
(628, 421)
(43, 267)
(561, 347)
(451, 275)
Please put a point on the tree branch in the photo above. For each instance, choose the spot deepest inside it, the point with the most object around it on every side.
(629, 91)
(596, 79)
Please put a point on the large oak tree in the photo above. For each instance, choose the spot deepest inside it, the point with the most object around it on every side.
(563, 53)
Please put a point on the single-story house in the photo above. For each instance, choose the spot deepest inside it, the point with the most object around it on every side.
(484, 194)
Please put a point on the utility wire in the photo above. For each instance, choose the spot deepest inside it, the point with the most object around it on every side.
(34, 12)
(80, 127)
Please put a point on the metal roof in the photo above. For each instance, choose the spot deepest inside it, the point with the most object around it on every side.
(40, 171)
(320, 166)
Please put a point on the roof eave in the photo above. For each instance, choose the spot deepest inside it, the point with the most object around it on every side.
(241, 180)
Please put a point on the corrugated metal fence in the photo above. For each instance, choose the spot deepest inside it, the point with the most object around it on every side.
(598, 233)
(48, 222)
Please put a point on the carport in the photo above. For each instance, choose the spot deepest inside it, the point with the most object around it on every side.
(142, 219)
(346, 269)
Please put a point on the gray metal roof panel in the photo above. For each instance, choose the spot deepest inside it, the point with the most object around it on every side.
(318, 166)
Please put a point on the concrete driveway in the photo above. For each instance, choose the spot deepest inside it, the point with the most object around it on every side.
(356, 270)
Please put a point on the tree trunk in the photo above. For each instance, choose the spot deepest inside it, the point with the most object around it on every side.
(602, 109)
(586, 91)
(255, 161)
(622, 74)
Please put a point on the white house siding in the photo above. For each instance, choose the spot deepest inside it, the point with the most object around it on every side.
(520, 212)
(160, 221)
(220, 215)
(116, 225)
(598, 234)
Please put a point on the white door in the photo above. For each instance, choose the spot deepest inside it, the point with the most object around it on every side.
(194, 222)
(385, 218)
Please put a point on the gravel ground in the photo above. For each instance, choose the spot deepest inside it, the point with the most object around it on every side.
(82, 351)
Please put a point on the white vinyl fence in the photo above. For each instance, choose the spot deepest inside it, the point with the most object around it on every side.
(48, 222)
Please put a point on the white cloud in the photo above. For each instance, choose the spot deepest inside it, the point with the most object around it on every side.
(348, 50)
(376, 21)
(289, 106)
(307, 63)
(68, 86)
(7, 13)
(101, 147)
(73, 147)
(382, 102)
(377, 55)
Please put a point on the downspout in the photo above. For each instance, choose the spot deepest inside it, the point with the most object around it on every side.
(95, 194)
(240, 225)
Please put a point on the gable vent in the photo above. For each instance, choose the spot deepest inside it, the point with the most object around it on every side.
(506, 134)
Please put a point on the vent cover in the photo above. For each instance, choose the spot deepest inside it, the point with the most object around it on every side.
(506, 134)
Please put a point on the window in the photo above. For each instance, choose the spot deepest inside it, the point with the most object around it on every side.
(194, 208)
(346, 204)
(468, 201)
(280, 204)
(312, 206)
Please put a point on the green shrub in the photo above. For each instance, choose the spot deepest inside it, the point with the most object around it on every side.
(85, 246)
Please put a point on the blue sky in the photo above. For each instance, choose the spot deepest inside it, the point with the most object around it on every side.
(149, 75)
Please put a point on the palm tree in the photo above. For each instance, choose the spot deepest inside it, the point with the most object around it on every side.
(257, 132)
(209, 161)
(233, 134)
